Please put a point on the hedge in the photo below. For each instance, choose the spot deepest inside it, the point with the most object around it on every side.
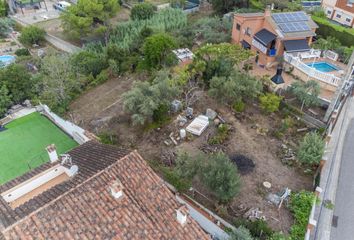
(344, 35)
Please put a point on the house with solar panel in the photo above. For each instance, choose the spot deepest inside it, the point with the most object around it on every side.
(269, 35)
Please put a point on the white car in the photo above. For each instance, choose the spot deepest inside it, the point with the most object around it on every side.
(61, 6)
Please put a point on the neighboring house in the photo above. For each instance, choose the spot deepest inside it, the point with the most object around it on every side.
(269, 35)
(341, 11)
(95, 192)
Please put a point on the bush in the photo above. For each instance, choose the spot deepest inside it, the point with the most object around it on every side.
(221, 135)
(241, 233)
(270, 102)
(6, 24)
(311, 149)
(238, 106)
(259, 229)
(100, 78)
(300, 206)
(142, 11)
(343, 34)
(22, 52)
(32, 35)
(108, 138)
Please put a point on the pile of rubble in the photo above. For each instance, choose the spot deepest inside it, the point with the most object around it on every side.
(288, 155)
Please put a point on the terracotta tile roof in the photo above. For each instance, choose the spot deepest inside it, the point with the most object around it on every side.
(83, 207)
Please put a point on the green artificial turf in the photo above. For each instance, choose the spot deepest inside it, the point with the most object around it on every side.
(23, 143)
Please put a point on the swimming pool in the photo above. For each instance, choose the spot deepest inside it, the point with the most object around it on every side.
(6, 59)
(323, 66)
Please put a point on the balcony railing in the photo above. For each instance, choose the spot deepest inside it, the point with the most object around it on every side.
(312, 72)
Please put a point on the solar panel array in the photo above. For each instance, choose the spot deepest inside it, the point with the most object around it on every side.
(292, 22)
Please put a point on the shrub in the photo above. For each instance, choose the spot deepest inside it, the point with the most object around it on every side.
(32, 35)
(22, 52)
(238, 106)
(270, 102)
(142, 11)
(259, 229)
(307, 93)
(221, 135)
(241, 233)
(212, 29)
(6, 24)
(300, 206)
(108, 138)
(311, 149)
(343, 34)
(100, 78)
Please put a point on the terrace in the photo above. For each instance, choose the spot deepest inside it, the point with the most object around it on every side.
(23, 142)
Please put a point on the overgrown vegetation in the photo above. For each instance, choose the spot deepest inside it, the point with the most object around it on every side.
(270, 102)
(142, 11)
(6, 25)
(300, 206)
(221, 134)
(31, 35)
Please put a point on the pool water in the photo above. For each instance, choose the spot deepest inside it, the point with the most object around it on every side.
(6, 60)
(323, 66)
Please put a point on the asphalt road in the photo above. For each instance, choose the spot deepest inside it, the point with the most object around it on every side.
(344, 206)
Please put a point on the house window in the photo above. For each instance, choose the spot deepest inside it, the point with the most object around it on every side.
(338, 16)
(348, 20)
(329, 12)
(238, 27)
(248, 31)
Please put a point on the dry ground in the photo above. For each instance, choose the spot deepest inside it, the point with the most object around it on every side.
(100, 110)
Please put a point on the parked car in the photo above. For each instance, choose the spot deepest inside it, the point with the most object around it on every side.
(61, 6)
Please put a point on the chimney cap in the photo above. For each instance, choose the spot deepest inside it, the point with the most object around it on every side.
(182, 214)
(116, 188)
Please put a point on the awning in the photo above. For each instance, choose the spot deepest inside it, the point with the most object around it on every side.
(300, 45)
(245, 44)
(265, 37)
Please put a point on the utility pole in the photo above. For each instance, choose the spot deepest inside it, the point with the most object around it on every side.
(341, 88)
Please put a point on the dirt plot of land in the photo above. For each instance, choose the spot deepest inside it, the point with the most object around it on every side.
(100, 110)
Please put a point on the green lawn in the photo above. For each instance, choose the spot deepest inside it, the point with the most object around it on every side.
(22, 145)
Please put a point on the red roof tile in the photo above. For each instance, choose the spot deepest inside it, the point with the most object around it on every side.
(147, 209)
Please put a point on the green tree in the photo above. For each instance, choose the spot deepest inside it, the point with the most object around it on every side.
(89, 17)
(330, 43)
(142, 11)
(221, 176)
(32, 35)
(57, 82)
(3, 8)
(311, 148)
(5, 99)
(225, 6)
(234, 88)
(216, 172)
(270, 102)
(157, 50)
(18, 81)
(145, 98)
(306, 92)
(241, 233)
(86, 62)
(6, 25)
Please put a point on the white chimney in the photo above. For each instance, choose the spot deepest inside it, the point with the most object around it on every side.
(52, 152)
(182, 214)
(116, 189)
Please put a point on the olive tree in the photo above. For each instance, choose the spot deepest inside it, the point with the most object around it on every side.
(32, 35)
(235, 87)
(306, 92)
(216, 172)
(145, 98)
